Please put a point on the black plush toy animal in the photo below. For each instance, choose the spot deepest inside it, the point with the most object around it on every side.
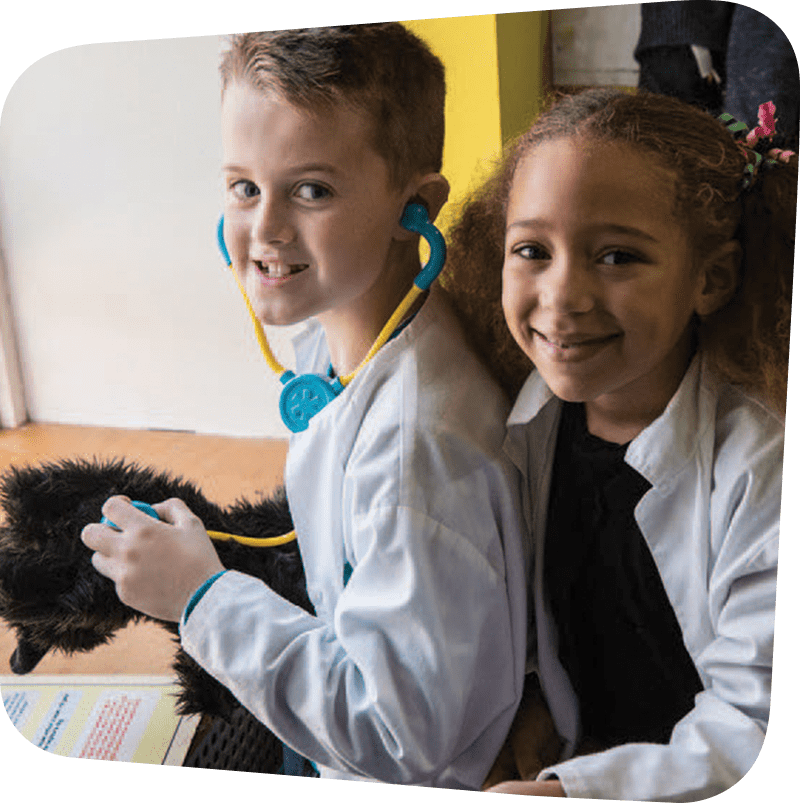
(54, 599)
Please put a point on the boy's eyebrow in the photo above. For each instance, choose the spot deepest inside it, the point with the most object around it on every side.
(616, 228)
(310, 167)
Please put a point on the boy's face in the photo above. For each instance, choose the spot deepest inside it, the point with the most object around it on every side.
(309, 211)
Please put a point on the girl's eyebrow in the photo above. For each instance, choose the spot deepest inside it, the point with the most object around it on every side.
(617, 228)
(528, 223)
(614, 228)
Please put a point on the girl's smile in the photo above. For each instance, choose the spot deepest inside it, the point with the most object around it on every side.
(574, 347)
(599, 282)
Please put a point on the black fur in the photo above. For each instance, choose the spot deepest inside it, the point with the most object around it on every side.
(54, 599)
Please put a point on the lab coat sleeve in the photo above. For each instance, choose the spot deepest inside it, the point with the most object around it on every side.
(414, 666)
(718, 741)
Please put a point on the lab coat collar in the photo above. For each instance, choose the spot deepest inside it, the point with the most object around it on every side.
(686, 419)
(684, 427)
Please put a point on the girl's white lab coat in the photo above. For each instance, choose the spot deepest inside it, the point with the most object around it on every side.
(714, 459)
(413, 671)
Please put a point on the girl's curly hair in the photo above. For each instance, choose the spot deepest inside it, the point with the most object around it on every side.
(747, 341)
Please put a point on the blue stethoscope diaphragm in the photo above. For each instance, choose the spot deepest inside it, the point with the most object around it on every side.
(143, 506)
(305, 395)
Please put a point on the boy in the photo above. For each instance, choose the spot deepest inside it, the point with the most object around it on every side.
(406, 514)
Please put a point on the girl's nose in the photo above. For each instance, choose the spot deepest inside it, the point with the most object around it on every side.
(271, 224)
(567, 287)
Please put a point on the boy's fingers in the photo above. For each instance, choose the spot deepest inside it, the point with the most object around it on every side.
(120, 510)
(105, 565)
(174, 511)
(100, 538)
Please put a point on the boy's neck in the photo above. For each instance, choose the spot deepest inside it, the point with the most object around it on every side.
(351, 330)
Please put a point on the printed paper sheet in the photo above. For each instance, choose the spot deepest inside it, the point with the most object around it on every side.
(110, 718)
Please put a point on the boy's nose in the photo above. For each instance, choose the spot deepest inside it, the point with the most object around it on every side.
(271, 223)
(567, 287)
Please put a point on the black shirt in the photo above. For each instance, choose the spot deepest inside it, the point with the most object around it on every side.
(619, 639)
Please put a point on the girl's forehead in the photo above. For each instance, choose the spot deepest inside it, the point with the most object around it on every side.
(580, 178)
(587, 163)
(596, 156)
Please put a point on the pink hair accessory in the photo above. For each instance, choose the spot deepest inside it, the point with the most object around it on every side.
(783, 156)
(765, 129)
(766, 124)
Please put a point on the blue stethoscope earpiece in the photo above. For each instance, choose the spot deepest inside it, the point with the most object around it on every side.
(304, 396)
(221, 240)
(415, 218)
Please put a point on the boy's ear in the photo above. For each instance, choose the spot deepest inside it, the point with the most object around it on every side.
(430, 190)
(719, 278)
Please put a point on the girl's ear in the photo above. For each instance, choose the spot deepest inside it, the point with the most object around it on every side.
(430, 190)
(719, 278)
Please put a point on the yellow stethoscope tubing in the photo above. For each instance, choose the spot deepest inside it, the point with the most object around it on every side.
(383, 338)
(276, 540)
(387, 331)
(415, 218)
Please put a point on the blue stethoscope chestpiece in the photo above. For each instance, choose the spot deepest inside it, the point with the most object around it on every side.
(303, 397)
(143, 506)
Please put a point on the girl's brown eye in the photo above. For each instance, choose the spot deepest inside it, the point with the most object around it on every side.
(619, 257)
(533, 252)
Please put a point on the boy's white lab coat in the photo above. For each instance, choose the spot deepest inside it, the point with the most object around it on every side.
(413, 671)
(714, 459)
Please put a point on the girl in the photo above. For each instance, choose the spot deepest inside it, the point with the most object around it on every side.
(646, 272)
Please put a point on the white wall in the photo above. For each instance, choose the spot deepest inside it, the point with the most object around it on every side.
(109, 195)
(594, 46)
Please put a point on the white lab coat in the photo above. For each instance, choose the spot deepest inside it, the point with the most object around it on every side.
(412, 673)
(714, 459)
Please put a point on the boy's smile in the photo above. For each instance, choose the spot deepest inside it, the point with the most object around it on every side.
(311, 219)
(598, 282)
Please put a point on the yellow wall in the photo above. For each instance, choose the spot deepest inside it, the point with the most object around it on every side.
(493, 72)
(520, 46)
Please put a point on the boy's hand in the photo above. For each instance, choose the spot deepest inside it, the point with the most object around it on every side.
(539, 788)
(156, 566)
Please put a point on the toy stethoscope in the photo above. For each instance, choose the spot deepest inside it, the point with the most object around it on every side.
(275, 540)
(304, 396)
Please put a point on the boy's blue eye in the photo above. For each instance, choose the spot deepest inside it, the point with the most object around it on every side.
(244, 189)
(310, 191)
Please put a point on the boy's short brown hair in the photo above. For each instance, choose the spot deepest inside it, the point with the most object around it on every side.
(383, 69)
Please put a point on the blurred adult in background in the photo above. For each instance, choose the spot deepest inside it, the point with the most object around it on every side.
(723, 57)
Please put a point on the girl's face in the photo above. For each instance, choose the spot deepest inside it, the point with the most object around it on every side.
(598, 281)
